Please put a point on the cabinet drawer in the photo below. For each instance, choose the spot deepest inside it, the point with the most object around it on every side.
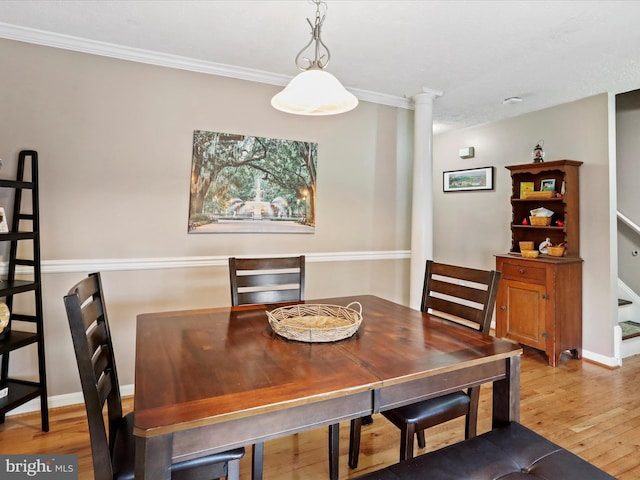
(523, 272)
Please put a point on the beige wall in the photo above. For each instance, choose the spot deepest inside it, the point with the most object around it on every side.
(114, 139)
(471, 227)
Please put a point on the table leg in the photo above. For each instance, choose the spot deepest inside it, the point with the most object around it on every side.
(506, 395)
(153, 458)
(354, 442)
(334, 450)
(257, 461)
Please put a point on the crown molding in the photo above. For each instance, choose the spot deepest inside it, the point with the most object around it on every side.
(93, 47)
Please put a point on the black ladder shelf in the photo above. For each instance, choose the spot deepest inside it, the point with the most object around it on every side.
(24, 252)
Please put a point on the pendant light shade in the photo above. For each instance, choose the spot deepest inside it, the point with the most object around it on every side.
(315, 91)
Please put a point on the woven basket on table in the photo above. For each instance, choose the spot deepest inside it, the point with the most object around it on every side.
(316, 322)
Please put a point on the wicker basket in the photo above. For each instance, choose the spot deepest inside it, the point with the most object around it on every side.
(529, 253)
(538, 195)
(316, 322)
(540, 221)
(556, 251)
(525, 245)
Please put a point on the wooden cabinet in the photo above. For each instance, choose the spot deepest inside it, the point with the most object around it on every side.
(539, 301)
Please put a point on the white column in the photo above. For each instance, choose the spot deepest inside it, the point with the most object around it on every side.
(422, 202)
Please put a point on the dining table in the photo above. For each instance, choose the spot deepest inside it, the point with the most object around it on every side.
(209, 380)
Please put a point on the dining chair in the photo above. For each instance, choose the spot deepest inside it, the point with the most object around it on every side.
(274, 280)
(112, 439)
(457, 294)
(266, 280)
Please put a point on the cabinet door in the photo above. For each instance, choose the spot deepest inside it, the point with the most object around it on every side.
(521, 313)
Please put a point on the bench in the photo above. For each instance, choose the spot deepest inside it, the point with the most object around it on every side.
(508, 452)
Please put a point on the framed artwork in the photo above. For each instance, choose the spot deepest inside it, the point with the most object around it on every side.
(464, 180)
(548, 185)
(245, 184)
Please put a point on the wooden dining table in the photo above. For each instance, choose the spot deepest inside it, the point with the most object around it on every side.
(214, 379)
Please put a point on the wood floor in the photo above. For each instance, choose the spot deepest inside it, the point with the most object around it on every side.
(588, 409)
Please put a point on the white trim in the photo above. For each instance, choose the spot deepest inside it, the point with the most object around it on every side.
(93, 47)
(113, 264)
(601, 359)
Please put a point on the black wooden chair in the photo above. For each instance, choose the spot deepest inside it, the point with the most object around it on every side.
(266, 280)
(457, 294)
(112, 445)
(274, 280)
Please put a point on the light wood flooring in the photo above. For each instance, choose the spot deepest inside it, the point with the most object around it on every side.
(586, 408)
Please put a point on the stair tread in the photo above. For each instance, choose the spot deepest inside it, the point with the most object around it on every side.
(630, 329)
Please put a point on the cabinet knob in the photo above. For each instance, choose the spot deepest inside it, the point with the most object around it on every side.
(545, 296)
(503, 307)
(521, 271)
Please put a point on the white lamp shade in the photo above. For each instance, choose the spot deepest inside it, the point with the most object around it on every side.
(314, 92)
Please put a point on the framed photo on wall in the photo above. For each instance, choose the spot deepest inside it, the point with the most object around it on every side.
(465, 180)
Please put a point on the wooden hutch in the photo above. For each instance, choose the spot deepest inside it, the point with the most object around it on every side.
(539, 301)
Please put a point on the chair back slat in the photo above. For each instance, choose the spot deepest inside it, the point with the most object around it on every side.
(92, 343)
(96, 338)
(91, 312)
(460, 293)
(266, 280)
(275, 280)
(267, 297)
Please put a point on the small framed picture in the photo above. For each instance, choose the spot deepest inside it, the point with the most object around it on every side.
(474, 179)
(548, 185)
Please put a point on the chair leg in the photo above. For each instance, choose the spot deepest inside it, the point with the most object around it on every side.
(334, 450)
(354, 442)
(471, 419)
(233, 470)
(257, 457)
(420, 435)
(406, 441)
(471, 425)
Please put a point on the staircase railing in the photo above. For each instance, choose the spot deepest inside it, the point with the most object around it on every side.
(629, 222)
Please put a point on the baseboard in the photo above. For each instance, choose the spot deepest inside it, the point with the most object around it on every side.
(610, 362)
(57, 401)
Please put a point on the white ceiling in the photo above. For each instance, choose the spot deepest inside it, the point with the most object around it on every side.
(476, 52)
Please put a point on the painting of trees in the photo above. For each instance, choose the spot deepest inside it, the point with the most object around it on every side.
(241, 183)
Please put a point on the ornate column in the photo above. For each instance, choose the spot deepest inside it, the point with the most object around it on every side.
(422, 202)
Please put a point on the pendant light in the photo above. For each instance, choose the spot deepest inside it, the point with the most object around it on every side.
(314, 91)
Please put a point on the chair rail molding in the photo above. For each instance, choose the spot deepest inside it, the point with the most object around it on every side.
(162, 263)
